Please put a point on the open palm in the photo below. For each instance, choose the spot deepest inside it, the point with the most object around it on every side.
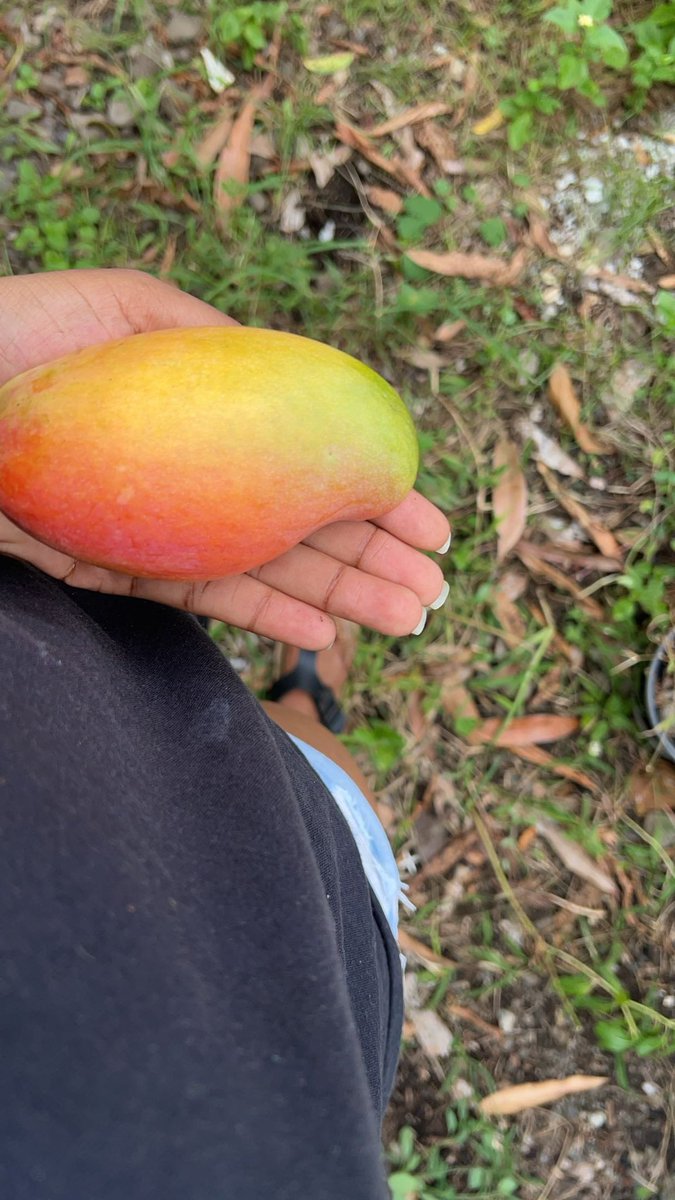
(371, 572)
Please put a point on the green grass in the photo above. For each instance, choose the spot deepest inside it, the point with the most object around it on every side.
(74, 199)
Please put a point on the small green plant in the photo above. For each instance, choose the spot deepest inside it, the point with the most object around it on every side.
(656, 38)
(418, 215)
(249, 27)
(588, 44)
(51, 231)
(384, 744)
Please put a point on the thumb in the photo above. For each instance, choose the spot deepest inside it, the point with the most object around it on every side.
(47, 315)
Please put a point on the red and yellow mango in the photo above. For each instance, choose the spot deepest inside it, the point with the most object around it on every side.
(198, 453)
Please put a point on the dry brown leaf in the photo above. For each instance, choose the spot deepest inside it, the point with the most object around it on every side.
(539, 238)
(538, 566)
(603, 538)
(428, 957)
(653, 789)
(76, 77)
(410, 116)
(385, 199)
(393, 166)
(508, 589)
(575, 858)
(471, 1018)
(432, 1035)
(510, 1100)
(547, 449)
(324, 165)
(571, 558)
(235, 158)
(486, 267)
(509, 497)
(211, 145)
(458, 702)
(579, 910)
(440, 144)
(564, 397)
(621, 281)
(666, 281)
(549, 687)
(452, 854)
(448, 331)
(542, 758)
(523, 731)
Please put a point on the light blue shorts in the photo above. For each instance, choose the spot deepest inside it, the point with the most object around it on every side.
(371, 840)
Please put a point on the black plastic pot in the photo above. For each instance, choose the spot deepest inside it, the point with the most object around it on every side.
(659, 664)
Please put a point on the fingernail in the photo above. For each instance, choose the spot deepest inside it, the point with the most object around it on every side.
(420, 626)
(445, 547)
(444, 593)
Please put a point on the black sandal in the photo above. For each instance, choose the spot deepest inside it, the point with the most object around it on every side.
(304, 677)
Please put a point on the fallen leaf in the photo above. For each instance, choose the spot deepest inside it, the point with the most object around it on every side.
(448, 331)
(235, 158)
(540, 239)
(626, 282)
(494, 120)
(428, 957)
(452, 854)
(292, 215)
(488, 268)
(471, 1018)
(575, 858)
(393, 166)
(440, 144)
(542, 758)
(410, 116)
(324, 165)
(571, 558)
(356, 48)
(667, 282)
(76, 77)
(598, 533)
(456, 700)
(564, 397)
(579, 910)
(218, 75)
(507, 590)
(547, 449)
(510, 1100)
(548, 688)
(385, 199)
(432, 1035)
(652, 789)
(538, 566)
(329, 64)
(212, 143)
(523, 731)
(262, 146)
(509, 497)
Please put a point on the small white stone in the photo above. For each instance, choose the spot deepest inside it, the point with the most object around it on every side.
(597, 1119)
(507, 1020)
(566, 180)
(327, 233)
(650, 1089)
(594, 190)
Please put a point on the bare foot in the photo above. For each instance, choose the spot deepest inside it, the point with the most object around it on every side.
(332, 667)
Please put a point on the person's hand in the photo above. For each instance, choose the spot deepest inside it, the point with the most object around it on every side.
(368, 571)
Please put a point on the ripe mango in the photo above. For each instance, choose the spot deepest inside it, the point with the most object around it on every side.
(198, 453)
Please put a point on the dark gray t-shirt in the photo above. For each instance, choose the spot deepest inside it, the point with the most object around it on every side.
(199, 995)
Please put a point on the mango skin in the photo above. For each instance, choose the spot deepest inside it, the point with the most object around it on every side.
(199, 453)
